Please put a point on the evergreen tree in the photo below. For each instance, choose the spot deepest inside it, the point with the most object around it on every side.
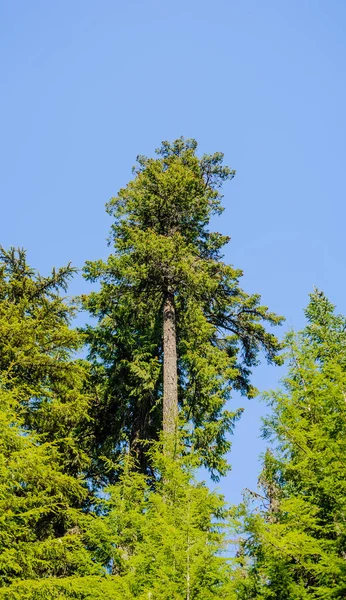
(44, 533)
(296, 539)
(163, 543)
(41, 528)
(37, 355)
(166, 542)
(174, 326)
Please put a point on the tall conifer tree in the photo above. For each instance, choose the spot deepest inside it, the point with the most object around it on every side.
(174, 326)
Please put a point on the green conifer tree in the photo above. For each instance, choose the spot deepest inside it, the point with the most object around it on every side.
(41, 528)
(174, 328)
(296, 538)
(165, 542)
(37, 355)
(45, 536)
(170, 541)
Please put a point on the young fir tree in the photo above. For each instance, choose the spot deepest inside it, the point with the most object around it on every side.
(42, 531)
(166, 542)
(175, 329)
(44, 534)
(37, 348)
(296, 542)
(163, 543)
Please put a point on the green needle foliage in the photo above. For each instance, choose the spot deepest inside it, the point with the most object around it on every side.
(37, 348)
(296, 543)
(166, 262)
(158, 544)
(42, 458)
(41, 528)
(164, 543)
(98, 500)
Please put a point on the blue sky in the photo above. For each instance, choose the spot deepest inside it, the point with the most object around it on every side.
(86, 86)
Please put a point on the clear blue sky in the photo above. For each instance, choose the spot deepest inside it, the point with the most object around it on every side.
(86, 86)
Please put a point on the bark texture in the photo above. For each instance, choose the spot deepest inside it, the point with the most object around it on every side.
(170, 373)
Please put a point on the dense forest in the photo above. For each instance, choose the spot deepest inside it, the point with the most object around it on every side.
(105, 428)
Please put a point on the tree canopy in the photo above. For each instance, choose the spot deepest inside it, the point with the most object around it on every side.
(296, 537)
(104, 428)
(165, 283)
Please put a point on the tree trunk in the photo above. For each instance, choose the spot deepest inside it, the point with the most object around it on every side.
(170, 374)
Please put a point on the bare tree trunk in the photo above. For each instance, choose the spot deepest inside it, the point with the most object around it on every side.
(170, 374)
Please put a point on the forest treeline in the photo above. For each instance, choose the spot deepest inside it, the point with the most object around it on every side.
(104, 428)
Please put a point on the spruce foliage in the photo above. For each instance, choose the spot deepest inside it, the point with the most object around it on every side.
(41, 528)
(42, 407)
(297, 541)
(37, 356)
(167, 540)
